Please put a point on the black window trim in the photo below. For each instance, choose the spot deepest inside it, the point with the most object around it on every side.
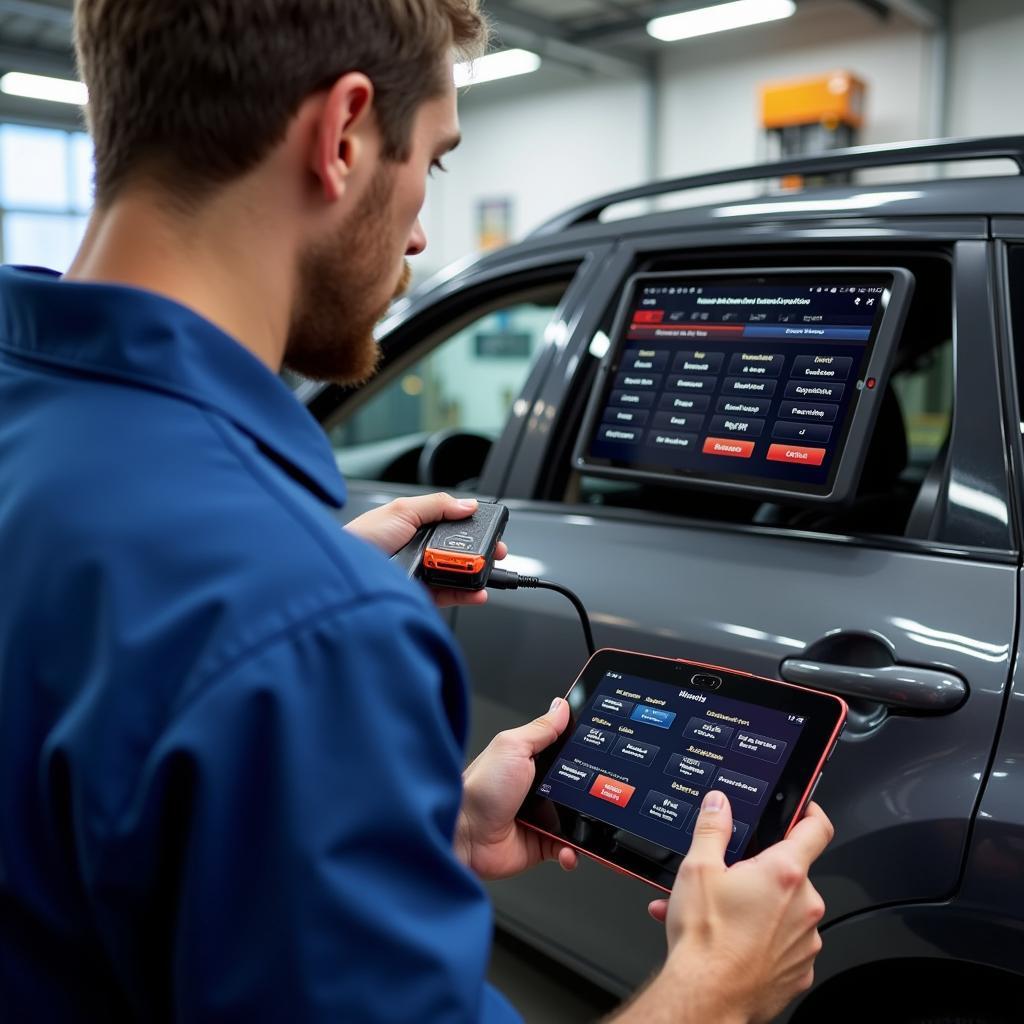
(1013, 397)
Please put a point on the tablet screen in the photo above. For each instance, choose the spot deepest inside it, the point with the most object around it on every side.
(649, 737)
(644, 755)
(741, 381)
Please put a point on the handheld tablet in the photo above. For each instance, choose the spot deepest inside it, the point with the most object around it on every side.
(762, 382)
(649, 737)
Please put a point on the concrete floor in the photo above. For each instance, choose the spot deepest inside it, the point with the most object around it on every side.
(544, 992)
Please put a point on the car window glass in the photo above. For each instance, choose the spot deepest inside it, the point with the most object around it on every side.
(467, 384)
(925, 392)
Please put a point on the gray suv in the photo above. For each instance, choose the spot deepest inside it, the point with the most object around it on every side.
(906, 601)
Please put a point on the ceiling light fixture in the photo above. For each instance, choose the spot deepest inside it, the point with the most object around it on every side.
(502, 64)
(705, 20)
(41, 87)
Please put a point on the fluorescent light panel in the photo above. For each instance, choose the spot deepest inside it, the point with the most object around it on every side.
(704, 21)
(41, 87)
(502, 64)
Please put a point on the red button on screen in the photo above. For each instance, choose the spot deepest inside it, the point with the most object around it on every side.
(794, 453)
(648, 316)
(612, 790)
(727, 446)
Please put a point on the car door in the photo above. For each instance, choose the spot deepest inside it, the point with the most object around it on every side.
(710, 582)
(993, 880)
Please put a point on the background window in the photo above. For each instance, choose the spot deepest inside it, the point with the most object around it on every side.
(467, 383)
(41, 239)
(45, 194)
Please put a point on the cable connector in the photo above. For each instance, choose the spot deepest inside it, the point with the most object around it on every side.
(503, 579)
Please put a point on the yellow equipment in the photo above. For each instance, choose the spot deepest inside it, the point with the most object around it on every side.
(813, 115)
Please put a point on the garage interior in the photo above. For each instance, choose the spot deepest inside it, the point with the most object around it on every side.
(580, 99)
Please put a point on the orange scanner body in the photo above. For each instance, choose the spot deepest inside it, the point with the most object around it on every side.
(460, 552)
(452, 561)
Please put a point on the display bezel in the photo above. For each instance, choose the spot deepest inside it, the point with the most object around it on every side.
(825, 715)
(851, 447)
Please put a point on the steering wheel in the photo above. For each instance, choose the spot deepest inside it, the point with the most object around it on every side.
(451, 456)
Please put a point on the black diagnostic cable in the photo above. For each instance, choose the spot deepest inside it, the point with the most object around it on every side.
(502, 579)
(460, 553)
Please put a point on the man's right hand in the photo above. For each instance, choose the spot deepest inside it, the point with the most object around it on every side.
(743, 939)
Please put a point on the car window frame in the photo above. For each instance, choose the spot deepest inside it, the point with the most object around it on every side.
(444, 305)
(961, 531)
(1009, 237)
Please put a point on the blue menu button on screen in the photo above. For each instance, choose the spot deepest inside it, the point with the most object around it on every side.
(653, 716)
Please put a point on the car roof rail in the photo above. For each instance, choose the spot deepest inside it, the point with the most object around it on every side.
(1008, 147)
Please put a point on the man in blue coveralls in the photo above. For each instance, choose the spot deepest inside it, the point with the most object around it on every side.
(231, 735)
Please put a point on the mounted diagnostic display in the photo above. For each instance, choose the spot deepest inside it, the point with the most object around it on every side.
(764, 382)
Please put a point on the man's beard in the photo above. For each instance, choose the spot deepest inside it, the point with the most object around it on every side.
(331, 334)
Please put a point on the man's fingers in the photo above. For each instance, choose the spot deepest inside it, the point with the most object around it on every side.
(432, 508)
(501, 551)
(542, 732)
(449, 598)
(713, 830)
(658, 909)
(565, 855)
(811, 835)
(459, 508)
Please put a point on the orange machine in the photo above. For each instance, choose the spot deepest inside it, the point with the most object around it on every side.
(813, 115)
(831, 100)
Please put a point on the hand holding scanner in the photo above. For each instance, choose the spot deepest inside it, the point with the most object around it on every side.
(457, 553)
(460, 553)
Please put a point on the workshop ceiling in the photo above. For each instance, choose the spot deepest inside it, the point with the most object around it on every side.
(604, 37)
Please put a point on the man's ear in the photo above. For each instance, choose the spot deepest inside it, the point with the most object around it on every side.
(343, 133)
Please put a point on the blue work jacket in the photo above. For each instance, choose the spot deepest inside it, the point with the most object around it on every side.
(231, 734)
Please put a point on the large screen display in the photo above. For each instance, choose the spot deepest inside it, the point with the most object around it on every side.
(742, 380)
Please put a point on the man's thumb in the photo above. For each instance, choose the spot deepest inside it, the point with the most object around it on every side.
(542, 732)
(713, 831)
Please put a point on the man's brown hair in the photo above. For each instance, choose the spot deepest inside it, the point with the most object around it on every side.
(193, 94)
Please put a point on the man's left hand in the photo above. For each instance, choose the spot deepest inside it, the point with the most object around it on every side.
(488, 838)
(393, 525)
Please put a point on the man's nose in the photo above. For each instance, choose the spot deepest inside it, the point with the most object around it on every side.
(417, 240)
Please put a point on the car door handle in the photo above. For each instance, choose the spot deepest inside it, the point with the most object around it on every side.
(904, 687)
